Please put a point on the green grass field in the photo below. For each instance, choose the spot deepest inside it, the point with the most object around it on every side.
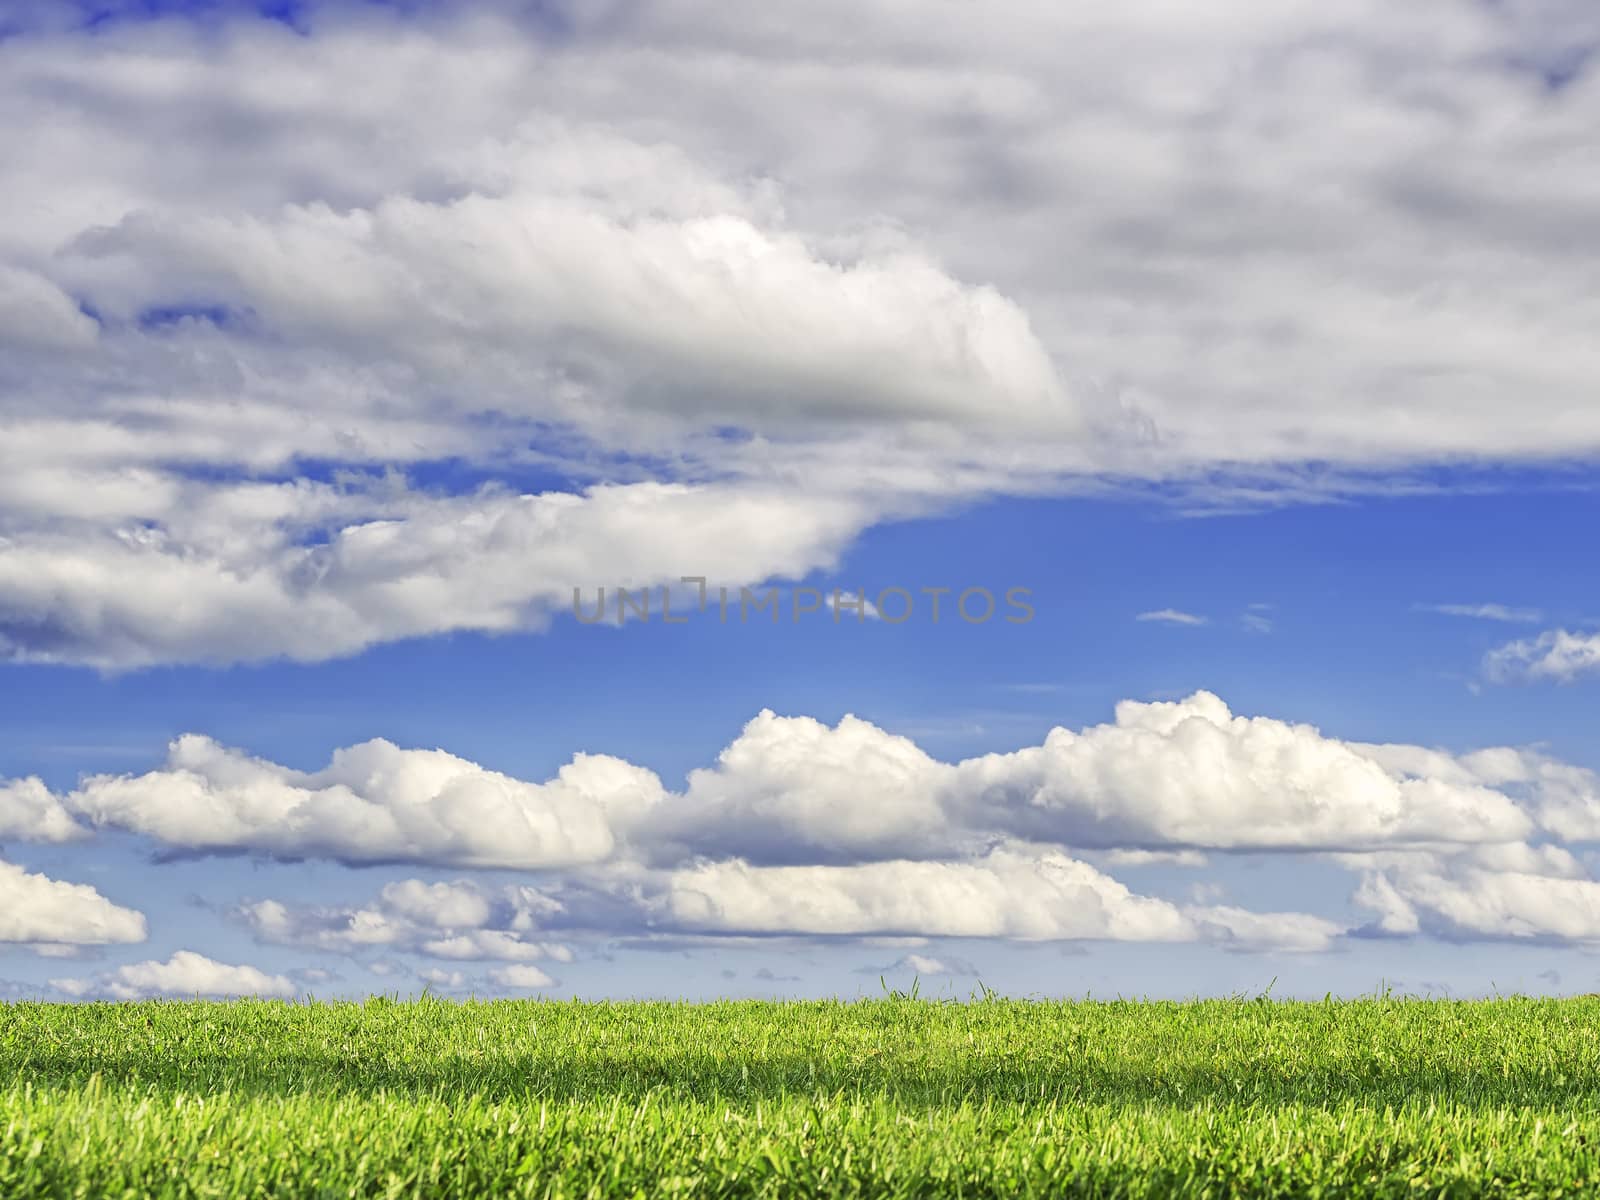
(889, 1097)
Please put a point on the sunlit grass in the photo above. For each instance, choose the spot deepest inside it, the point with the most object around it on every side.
(890, 1097)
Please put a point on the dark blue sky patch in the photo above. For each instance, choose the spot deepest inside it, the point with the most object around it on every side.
(159, 317)
(1566, 68)
(1556, 67)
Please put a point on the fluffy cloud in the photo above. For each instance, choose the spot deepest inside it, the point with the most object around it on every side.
(414, 566)
(1563, 800)
(438, 977)
(1514, 892)
(1210, 263)
(1168, 776)
(1191, 773)
(374, 803)
(31, 812)
(573, 255)
(801, 829)
(185, 974)
(37, 909)
(459, 921)
(715, 317)
(519, 977)
(1012, 892)
(794, 789)
(1557, 655)
(35, 312)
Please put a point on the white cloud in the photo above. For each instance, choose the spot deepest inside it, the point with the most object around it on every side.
(1517, 893)
(714, 315)
(922, 964)
(35, 312)
(1563, 799)
(801, 829)
(1008, 894)
(35, 908)
(1486, 612)
(1191, 773)
(31, 812)
(460, 921)
(374, 803)
(518, 251)
(792, 788)
(1172, 616)
(1168, 776)
(520, 977)
(1239, 929)
(1146, 858)
(1556, 655)
(848, 606)
(438, 977)
(1012, 892)
(184, 974)
(497, 563)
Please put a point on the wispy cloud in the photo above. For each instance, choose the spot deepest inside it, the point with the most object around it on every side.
(922, 964)
(1172, 616)
(1484, 612)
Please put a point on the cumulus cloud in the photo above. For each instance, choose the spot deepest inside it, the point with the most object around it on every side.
(30, 812)
(1007, 894)
(574, 255)
(712, 313)
(411, 566)
(374, 803)
(1242, 930)
(802, 829)
(1168, 777)
(35, 312)
(439, 977)
(1512, 892)
(37, 909)
(520, 977)
(460, 921)
(1012, 892)
(1562, 799)
(794, 788)
(1558, 655)
(517, 977)
(1191, 773)
(185, 974)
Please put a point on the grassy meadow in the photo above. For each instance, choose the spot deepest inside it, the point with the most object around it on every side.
(892, 1097)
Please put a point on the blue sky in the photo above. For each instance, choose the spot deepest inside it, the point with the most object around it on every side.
(317, 402)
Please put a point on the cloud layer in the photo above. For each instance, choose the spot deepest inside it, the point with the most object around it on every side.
(619, 306)
(806, 829)
(1166, 775)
